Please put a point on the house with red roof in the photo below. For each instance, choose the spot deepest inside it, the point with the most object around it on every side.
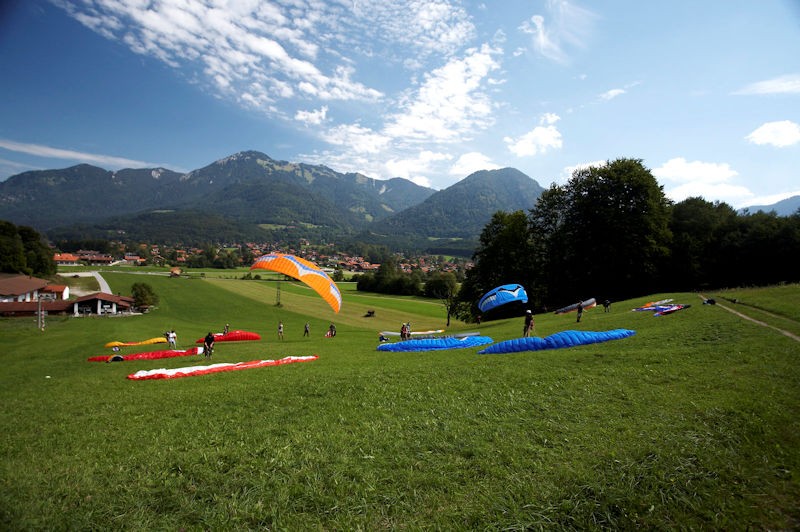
(59, 291)
(66, 259)
(20, 288)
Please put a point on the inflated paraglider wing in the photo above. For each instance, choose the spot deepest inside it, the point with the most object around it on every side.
(435, 344)
(556, 341)
(507, 293)
(304, 271)
(589, 303)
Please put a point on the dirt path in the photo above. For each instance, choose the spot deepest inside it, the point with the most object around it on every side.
(757, 322)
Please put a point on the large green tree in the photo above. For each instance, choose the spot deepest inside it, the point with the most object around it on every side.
(604, 234)
(22, 250)
(38, 255)
(698, 230)
(12, 252)
(143, 295)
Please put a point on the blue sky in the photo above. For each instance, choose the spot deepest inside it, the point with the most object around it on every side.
(707, 93)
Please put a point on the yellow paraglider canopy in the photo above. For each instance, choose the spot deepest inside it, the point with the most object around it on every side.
(304, 271)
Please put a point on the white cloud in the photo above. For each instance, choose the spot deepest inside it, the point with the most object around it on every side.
(567, 172)
(416, 168)
(312, 117)
(472, 162)
(251, 51)
(565, 26)
(788, 84)
(106, 161)
(419, 164)
(356, 138)
(698, 178)
(613, 93)
(730, 194)
(679, 170)
(780, 134)
(538, 140)
(451, 101)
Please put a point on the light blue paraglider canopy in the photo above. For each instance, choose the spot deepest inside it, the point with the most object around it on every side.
(556, 341)
(507, 293)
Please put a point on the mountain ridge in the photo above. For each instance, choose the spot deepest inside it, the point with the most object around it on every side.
(253, 195)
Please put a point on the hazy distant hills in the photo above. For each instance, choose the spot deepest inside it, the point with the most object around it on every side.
(785, 207)
(250, 195)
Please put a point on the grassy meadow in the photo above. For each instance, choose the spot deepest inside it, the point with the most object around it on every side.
(692, 423)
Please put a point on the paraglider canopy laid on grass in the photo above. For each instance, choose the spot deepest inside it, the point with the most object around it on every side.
(502, 295)
(194, 371)
(436, 344)
(150, 355)
(232, 336)
(151, 341)
(304, 271)
(556, 341)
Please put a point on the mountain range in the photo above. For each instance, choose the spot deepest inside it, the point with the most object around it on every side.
(249, 195)
(785, 207)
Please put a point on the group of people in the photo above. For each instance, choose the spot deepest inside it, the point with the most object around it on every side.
(208, 341)
(405, 331)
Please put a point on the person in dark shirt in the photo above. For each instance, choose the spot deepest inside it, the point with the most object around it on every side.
(208, 345)
(529, 324)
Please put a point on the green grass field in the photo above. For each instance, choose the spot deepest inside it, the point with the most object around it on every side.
(692, 423)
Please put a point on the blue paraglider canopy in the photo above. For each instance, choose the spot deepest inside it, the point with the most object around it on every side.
(557, 341)
(436, 344)
(502, 295)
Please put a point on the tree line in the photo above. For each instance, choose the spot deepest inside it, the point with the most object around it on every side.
(22, 250)
(611, 233)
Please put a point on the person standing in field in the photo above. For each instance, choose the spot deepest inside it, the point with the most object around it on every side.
(280, 330)
(526, 329)
(226, 328)
(606, 305)
(580, 311)
(307, 329)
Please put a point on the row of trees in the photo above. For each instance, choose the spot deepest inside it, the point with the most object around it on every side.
(611, 233)
(22, 250)
(391, 279)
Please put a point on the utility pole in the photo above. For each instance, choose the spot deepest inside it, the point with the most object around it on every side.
(41, 313)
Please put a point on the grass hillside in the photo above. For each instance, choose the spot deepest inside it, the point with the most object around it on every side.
(691, 423)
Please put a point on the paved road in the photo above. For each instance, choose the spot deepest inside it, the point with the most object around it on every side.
(103, 284)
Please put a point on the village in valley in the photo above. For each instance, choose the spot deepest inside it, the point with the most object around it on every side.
(22, 295)
(242, 255)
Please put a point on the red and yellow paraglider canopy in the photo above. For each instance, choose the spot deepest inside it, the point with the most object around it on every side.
(304, 271)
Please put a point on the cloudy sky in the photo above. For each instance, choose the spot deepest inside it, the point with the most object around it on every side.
(707, 93)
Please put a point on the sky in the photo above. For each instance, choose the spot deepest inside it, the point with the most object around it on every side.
(706, 94)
